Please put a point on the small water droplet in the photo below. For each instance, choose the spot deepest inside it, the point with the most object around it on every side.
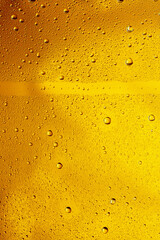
(15, 28)
(55, 144)
(14, 16)
(59, 165)
(107, 120)
(113, 201)
(21, 20)
(104, 230)
(130, 29)
(68, 209)
(151, 117)
(61, 77)
(43, 73)
(46, 41)
(66, 10)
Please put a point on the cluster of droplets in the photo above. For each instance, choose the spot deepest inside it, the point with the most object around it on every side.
(55, 144)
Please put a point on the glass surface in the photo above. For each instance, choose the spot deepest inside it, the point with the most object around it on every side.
(79, 120)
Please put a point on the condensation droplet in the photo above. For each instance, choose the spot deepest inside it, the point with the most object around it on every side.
(61, 77)
(15, 28)
(129, 61)
(107, 120)
(49, 133)
(14, 16)
(59, 165)
(151, 117)
(46, 41)
(55, 144)
(43, 73)
(104, 230)
(130, 29)
(68, 209)
(113, 201)
(66, 10)
(21, 20)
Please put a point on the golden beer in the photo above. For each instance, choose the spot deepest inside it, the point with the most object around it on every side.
(80, 120)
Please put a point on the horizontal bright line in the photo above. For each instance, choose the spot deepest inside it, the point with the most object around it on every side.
(109, 88)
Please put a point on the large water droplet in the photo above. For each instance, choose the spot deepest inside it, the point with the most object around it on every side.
(68, 209)
(151, 117)
(129, 61)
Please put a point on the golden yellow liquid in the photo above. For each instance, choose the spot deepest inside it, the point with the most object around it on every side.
(79, 120)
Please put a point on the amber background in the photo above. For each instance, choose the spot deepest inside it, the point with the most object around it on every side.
(69, 85)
